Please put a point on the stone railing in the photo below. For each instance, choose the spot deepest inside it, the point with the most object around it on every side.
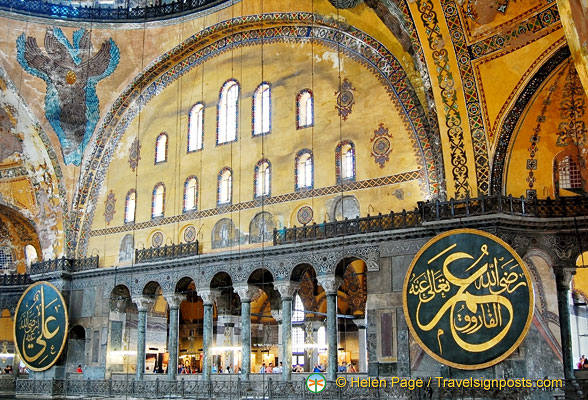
(65, 264)
(436, 211)
(14, 279)
(106, 13)
(273, 388)
(166, 252)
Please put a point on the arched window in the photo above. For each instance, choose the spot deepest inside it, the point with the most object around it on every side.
(298, 312)
(569, 174)
(304, 109)
(225, 186)
(161, 148)
(297, 340)
(130, 205)
(262, 109)
(345, 162)
(263, 178)
(196, 127)
(190, 194)
(304, 170)
(158, 204)
(6, 259)
(30, 254)
(228, 112)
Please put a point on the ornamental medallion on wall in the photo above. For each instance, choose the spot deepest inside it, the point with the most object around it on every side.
(468, 299)
(40, 326)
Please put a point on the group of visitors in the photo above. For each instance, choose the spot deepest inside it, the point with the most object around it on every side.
(7, 369)
(270, 369)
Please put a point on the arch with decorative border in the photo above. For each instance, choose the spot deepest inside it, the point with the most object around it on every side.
(302, 27)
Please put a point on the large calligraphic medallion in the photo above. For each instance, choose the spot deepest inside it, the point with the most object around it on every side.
(40, 326)
(468, 299)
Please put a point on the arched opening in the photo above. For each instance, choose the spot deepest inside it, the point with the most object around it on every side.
(122, 347)
(76, 347)
(156, 337)
(226, 351)
(190, 330)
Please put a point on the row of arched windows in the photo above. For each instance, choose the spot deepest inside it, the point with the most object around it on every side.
(304, 180)
(227, 120)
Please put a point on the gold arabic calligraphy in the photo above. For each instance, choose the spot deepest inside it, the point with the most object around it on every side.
(36, 323)
(469, 312)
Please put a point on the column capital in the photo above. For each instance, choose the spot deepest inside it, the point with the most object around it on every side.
(174, 300)
(563, 277)
(277, 315)
(245, 291)
(361, 323)
(286, 288)
(143, 302)
(329, 283)
(208, 295)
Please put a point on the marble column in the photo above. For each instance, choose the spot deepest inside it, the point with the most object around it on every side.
(143, 305)
(361, 324)
(331, 284)
(245, 292)
(208, 297)
(287, 290)
(563, 278)
(277, 316)
(173, 301)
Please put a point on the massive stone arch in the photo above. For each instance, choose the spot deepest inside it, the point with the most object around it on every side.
(247, 31)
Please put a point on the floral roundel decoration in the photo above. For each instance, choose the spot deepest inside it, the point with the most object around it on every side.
(189, 234)
(157, 239)
(304, 215)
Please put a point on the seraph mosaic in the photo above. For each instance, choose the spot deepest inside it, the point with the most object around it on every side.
(71, 71)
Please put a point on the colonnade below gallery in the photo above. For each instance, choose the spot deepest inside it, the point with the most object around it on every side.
(292, 326)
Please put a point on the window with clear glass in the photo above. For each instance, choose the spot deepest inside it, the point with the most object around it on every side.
(298, 313)
(297, 339)
(304, 170)
(228, 112)
(190, 194)
(262, 178)
(569, 174)
(158, 201)
(225, 186)
(161, 148)
(262, 109)
(130, 206)
(196, 127)
(304, 109)
(30, 254)
(345, 162)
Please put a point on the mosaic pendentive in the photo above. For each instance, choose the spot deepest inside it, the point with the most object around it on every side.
(71, 74)
(134, 154)
(109, 207)
(381, 145)
(189, 234)
(345, 99)
(572, 129)
(304, 215)
(157, 239)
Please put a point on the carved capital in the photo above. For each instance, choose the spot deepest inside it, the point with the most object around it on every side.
(277, 315)
(143, 303)
(329, 283)
(286, 288)
(208, 295)
(563, 277)
(245, 291)
(361, 323)
(174, 300)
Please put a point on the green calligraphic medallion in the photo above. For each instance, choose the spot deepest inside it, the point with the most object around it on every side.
(40, 326)
(468, 299)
